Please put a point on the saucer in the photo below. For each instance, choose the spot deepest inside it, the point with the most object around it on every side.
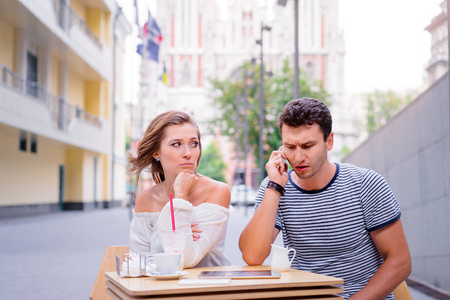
(169, 276)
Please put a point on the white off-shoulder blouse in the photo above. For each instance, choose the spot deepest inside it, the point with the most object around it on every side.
(152, 232)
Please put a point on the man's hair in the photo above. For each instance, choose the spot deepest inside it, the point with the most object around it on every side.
(306, 111)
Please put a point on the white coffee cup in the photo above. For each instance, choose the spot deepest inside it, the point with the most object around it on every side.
(280, 258)
(167, 263)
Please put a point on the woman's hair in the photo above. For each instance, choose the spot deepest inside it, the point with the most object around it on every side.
(306, 111)
(151, 143)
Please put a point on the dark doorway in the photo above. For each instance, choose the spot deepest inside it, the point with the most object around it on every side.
(62, 175)
(32, 74)
(95, 181)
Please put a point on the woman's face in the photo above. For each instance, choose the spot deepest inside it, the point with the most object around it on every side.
(179, 150)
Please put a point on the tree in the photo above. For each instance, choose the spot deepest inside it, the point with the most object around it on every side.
(278, 91)
(212, 163)
(382, 106)
(282, 91)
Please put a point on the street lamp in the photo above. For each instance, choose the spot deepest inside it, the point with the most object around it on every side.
(261, 103)
(296, 63)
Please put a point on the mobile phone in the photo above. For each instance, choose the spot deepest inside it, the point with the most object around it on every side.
(284, 160)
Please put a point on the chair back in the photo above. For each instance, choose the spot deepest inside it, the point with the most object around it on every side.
(402, 292)
(108, 265)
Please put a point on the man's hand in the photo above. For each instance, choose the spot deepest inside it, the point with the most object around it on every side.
(276, 168)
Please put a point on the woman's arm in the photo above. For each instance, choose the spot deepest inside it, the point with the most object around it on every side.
(212, 219)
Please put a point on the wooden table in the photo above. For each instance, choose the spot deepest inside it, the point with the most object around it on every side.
(293, 283)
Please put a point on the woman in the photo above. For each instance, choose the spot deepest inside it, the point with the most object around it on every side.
(171, 149)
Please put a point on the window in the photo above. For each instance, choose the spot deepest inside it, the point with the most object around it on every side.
(62, 12)
(32, 87)
(23, 141)
(185, 74)
(33, 143)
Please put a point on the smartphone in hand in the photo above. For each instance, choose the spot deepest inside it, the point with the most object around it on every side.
(284, 161)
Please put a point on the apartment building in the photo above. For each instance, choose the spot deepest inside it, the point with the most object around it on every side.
(62, 138)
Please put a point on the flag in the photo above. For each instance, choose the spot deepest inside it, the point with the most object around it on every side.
(151, 37)
(163, 77)
(152, 50)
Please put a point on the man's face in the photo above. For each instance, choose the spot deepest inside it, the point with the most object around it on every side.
(305, 148)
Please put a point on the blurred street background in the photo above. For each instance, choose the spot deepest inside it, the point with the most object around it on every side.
(81, 79)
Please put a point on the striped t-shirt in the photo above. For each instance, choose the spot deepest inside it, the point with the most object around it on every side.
(330, 228)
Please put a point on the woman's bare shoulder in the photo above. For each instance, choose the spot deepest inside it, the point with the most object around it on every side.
(146, 200)
(217, 192)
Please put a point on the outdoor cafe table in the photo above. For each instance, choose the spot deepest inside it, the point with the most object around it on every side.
(293, 283)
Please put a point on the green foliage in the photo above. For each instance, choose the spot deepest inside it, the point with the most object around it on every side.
(278, 90)
(212, 163)
(382, 106)
(127, 141)
(345, 151)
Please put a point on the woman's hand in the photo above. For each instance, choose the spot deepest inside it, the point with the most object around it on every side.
(183, 184)
(195, 229)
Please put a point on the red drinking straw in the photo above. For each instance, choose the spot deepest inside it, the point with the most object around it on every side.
(171, 212)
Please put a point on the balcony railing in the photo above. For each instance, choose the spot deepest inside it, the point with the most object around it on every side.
(62, 113)
(67, 18)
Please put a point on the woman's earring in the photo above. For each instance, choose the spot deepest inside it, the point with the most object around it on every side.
(157, 158)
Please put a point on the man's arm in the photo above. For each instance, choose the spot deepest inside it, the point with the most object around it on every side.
(261, 232)
(393, 248)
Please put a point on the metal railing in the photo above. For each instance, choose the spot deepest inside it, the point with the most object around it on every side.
(67, 18)
(61, 112)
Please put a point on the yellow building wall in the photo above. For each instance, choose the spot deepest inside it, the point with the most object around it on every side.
(76, 90)
(106, 100)
(79, 8)
(107, 28)
(54, 77)
(74, 176)
(96, 21)
(93, 97)
(7, 42)
(28, 178)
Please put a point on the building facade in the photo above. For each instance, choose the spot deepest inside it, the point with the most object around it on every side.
(321, 58)
(438, 63)
(62, 133)
(212, 39)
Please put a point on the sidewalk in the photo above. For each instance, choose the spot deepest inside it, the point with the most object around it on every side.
(57, 256)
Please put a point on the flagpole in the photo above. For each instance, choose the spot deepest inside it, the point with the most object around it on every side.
(142, 35)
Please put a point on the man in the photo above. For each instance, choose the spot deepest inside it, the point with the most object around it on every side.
(342, 220)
